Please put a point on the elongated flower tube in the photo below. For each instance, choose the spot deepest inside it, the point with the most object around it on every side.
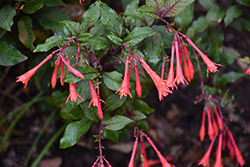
(143, 153)
(218, 159)
(163, 160)
(238, 154)
(230, 148)
(170, 80)
(26, 76)
(205, 159)
(188, 66)
(247, 72)
(215, 127)
(160, 84)
(124, 89)
(137, 82)
(72, 93)
(54, 76)
(219, 119)
(210, 126)
(74, 71)
(62, 75)
(131, 162)
(202, 129)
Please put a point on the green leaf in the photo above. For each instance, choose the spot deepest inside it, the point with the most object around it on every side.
(50, 43)
(142, 106)
(115, 39)
(244, 2)
(25, 34)
(228, 57)
(111, 20)
(83, 89)
(9, 55)
(70, 111)
(90, 112)
(73, 132)
(233, 76)
(98, 30)
(132, 7)
(98, 43)
(137, 115)
(232, 12)
(149, 11)
(175, 7)
(182, 20)
(84, 36)
(111, 135)
(113, 102)
(6, 17)
(167, 37)
(200, 25)
(208, 3)
(137, 35)
(216, 80)
(153, 46)
(117, 123)
(112, 80)
(50, 18)
(31, 6)
(90, 16)
(215, 14)
(53, 2)
(2, 32)
(70, 28)
(88, 72)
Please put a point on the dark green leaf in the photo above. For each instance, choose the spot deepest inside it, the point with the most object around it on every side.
(244, 2)
(216, 79)
(98, 30)
(90, 112)
(142, 106)
(70, 28)
(83, 89)
(115, 39)
(200, 24)
(112, 80)
(98, 43)
(208, 3)
(111, 20)
(90, 16)
(153, 46)
(233, 76)
(31, 6)
(185, 18)
(137, 115)
(167, 37)
(6, 17)
(137, 35)
(2, 32)
(149, 11)
(50, 43)
(175, 7)
(232, 12)
(73, 132)
(9, 55)
(117, 122)
(71, 112)
(131, 7)
(25, 34)
(50, 18)
(53, 2)
(113, 102)
(84, 36)
(215, 14)
(210, 90)
(111, 135)
(228, 57)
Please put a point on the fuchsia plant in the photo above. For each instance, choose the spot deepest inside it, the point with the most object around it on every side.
(94, 55)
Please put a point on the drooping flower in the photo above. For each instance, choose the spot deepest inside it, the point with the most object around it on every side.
(202, 129)
(238, 154)
(26, 76)
(54, 76)
(131, 162)
(219, 119)
(160, 84)
(205, 159)
(137, 82)
(218, 159)
(62, 75)
(215, 127)
(210, 126)
(72, 93)
(124, 89)
(170, 80)
(74, 71)
(188, 66)
(230, 148)
(143, 153)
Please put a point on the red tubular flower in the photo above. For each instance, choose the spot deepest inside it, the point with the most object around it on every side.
(188, 66)
(202, 130)
(170, 80)
(26, 76)
(124, 89)
(211, 66)
(131, 162)
(215, 127)
(247, 72)
(238, 155)
(205, 159)
(210, 126)
(138, 83)
(62, 75)
(143, 153)
(160, 84)
(164, 162)
(74, 71)
(54, 76)
(218, 159)
(72, 93)
(219, 119)
(230, 148)
(179, 78)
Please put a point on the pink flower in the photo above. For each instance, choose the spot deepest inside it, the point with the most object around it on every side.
(210, 126)
(218, 159)
(72, 93)
(131, 162)
(26, 76)
(143, 153)
(188, 66)
(124, 89)
(62, 75)
(205, 159)
(160, 84)
(179, 78)
(54, 76)
(170, 80)
(138, 83)
(202, 130)
(74, 71)
(247, 72)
